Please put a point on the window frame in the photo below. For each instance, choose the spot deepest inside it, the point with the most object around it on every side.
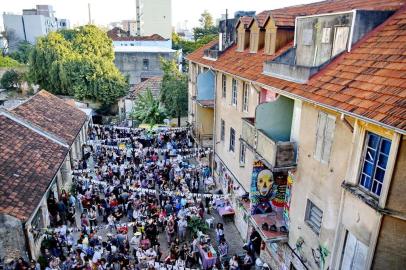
(231, 147)
(243, 150)
(374, 163)
(145, 64)
(310, 206)
(234, 93)
(324, 138)
(224, 86)
(245, 97)
(222, 130)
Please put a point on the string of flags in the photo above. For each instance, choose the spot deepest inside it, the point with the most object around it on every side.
(165, 129)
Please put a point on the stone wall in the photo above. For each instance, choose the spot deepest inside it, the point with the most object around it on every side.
(12, 244)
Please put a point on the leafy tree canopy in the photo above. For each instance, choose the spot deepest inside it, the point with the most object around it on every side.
(148, 110)
(8, 62)
(174, 89)
(78, 62)
(11, 79)
(22, 53)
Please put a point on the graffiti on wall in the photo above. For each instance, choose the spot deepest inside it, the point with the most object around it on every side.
(320, 255)
(262, 190)
(288, 194)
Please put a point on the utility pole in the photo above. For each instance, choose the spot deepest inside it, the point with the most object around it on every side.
(90, 14)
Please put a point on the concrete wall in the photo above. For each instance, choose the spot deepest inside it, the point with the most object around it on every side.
(232, 115)
(390, 251)
(275, 118)
(157, 18)
(319, 182)
(396, 199)
(204, 120)
(131, 64)
(147, 43)
(12, 244)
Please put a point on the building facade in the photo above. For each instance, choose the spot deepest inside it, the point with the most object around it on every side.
(33, 23)
(306, 134)
(41, 140)
(154, 17)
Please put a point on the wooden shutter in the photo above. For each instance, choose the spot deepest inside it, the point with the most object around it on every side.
(328, 138)
(340, 40)
(321, 124)
(354, 254)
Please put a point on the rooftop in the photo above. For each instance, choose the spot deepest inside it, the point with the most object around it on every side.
(367, 82)
(118, 34)
(154, 84)
(53, 115)
(28, 164)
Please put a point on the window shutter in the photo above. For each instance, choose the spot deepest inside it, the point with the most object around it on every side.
(321, 123)
(349, 251)
(360, 256)
(328, 138)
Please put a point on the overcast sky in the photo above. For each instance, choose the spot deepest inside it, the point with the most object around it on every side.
(106, 11)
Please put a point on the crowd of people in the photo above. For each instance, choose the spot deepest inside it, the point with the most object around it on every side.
(132, 191)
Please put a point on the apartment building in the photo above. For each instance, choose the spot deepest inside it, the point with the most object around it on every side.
(33, 23)
(154, 17)
(308, 131)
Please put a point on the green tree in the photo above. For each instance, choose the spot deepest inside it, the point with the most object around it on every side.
(148, 109)
(78, 62)
(11, 79)
(8, 62)
(174, 89)
(206, 20)
(22, 53)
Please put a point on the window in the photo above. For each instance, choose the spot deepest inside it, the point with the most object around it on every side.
(234, 93)
(224, 84)
(324, 137)
(354, 255)
(313, 217)
(232, 139)
(245, 94)
(242, 153)
(222, 129)
(375, 160)
(145, 64)
(307, 37)
(326, 33)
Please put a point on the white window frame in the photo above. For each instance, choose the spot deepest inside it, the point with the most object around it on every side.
(224, 86)
(313, 210)
(243, 150)
(234, 94)
(231, 147)
(324, 137)
(245, 97)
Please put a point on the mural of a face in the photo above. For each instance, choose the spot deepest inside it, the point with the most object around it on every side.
(264, 182)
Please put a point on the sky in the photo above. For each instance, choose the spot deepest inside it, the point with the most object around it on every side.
(106, 11)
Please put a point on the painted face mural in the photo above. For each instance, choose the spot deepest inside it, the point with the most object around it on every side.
(264, 182)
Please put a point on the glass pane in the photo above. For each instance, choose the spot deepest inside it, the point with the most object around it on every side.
(370, 155)
(368, 168)
(382, 161)
(385, 146)
(373, 140)
(379, 174)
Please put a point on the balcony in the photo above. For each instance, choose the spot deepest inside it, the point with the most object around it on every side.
(278, 155)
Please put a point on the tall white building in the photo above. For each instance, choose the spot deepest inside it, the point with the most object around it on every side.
(154, 17)
(33, 23)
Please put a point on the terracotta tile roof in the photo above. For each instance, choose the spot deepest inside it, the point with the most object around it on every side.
(285, 17)
(118, 34)
(28, 164)
(153, 83)
(368, 82)
(53, 115)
